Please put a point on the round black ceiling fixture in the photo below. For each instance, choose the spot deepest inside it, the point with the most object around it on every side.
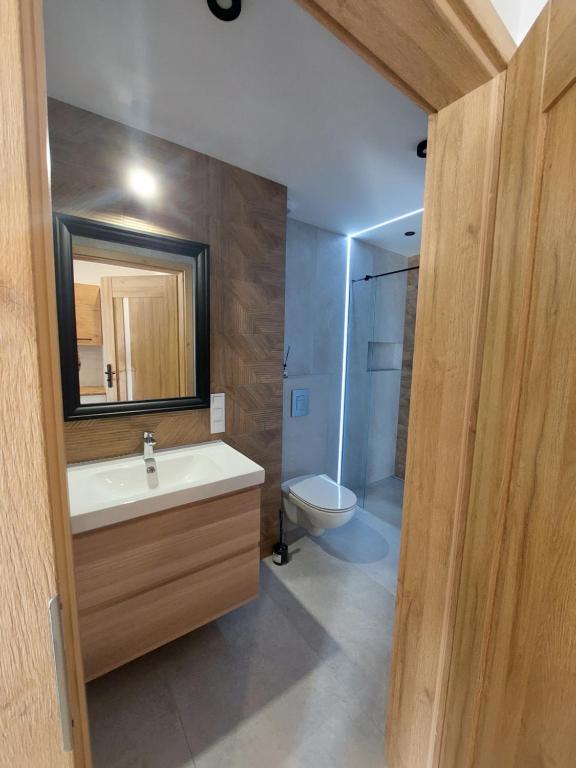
(422, 149)
(410, 233)
(227, 10)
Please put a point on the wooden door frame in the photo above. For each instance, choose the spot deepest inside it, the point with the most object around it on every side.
(470, 27)
(23, 75)
(434, 51)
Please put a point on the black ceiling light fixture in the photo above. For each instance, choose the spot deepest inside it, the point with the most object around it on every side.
(410, 233)
(226, 10)
(422, 149)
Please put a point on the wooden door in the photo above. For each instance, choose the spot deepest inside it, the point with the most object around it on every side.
(456, 255)
(487, 679)
(142, 339)
(511, 699)
(35, 546)
(529, 715)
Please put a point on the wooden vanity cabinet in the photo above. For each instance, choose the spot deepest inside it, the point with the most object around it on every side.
(147, 581)
(88, 314)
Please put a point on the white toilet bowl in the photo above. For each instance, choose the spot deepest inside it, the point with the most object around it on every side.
(316, 503)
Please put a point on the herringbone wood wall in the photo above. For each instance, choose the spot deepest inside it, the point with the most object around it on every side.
(407, 358)
(243, 219)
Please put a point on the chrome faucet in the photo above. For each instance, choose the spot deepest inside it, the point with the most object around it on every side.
(149, 459)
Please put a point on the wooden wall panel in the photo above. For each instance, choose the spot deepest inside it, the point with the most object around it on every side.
(407, 363)
(435, 51)
(454, 275)
(243, 218)
(517, 212)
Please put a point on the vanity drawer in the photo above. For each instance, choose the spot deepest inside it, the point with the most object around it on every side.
(120, 561)
(113, 635)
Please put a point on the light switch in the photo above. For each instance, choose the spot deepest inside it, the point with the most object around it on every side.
(300, 402)
(217, 413)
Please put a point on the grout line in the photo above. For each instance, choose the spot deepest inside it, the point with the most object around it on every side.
(161, 670)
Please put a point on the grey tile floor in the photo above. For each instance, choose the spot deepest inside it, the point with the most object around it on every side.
(297, 678)
(384, 499)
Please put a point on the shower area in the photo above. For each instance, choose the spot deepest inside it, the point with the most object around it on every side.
(381, 320)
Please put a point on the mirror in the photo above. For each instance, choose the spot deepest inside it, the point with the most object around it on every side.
(133, 320)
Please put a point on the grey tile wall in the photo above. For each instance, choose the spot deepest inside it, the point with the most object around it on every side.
(314, 330)
(376, 315)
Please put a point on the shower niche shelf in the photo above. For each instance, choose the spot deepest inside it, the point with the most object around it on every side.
(384, 356)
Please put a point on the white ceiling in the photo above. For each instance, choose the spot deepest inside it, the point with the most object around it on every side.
(519, 15)
(272, 92)
(395, 235)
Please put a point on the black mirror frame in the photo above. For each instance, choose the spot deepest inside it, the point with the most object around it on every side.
(64, 228)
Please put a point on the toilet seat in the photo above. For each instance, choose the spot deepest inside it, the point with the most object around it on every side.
(317, 503)
(321, 493)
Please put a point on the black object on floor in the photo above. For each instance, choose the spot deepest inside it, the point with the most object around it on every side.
(280, 554)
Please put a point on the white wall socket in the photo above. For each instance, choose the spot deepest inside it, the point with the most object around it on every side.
(217, 413)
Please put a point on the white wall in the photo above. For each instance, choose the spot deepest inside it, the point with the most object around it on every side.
(519, 15)
(91, 372)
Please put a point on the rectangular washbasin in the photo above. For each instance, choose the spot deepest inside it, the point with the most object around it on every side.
(107, 492)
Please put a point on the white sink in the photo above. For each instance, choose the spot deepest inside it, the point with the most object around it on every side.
(112, 491)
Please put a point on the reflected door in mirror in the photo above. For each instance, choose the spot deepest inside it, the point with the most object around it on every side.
(142, 338)
(133, 311)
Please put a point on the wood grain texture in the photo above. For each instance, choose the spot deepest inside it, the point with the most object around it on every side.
(119, 561)
(482, 27)
(434, 51)
(92, 391)
(511, 280)
(243, 218)
(461, 180)
(148, 307)
(88, 314)
(407, 363)
(35, 556)
(144, 582)
(561, 52)
(528, 714)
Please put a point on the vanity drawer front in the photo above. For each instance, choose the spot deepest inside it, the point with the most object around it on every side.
(121, 561)
(113, 635)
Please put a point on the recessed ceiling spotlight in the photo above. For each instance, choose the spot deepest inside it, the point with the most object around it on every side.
(226, 10)
(410, 233)
(422, 149)
(142, 182)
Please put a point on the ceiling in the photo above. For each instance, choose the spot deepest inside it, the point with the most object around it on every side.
(519, 15)
(272, 92)
(400, 236)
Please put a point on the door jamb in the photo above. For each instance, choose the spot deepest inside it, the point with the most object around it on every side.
(40, 227)
(36, 140)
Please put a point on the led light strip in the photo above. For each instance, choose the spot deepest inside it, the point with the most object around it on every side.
(344, 359)
(386, 223)
(346, 318)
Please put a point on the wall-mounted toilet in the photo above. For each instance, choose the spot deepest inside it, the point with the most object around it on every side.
(316, 503)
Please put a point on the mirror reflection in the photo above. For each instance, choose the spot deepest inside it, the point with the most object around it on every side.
(134, 309)
(134, 319)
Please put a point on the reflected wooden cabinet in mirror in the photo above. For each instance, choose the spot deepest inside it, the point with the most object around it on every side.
(133, 315)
